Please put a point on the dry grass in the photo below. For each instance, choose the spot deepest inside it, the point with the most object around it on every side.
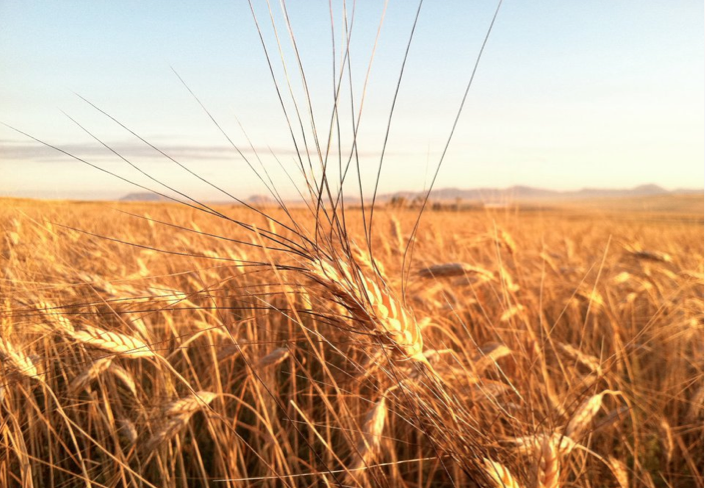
(551, 351)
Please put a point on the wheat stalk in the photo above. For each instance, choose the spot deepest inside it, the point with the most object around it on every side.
(512, 312)
(448, 270)
(586, 360)
(273, 358)
(666, 435)
(114, 342)
(121, 373)
(371, 306)
(696, 405)
(17, 360)
(656, 256)
(177, 414)
(549, 465)
(534, 443)
(611, 418)
(372, 428)
(397, 236)
(98, 367)
(490, 354)
(619, 470)
(128, 430)
(188, 405)
(13, 238)
(507, 240)
(499, 475)
(57, 319)
(586, 412)
(231, 351)
(507, 280)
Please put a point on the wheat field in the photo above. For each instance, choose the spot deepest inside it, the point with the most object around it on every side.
(160, 345)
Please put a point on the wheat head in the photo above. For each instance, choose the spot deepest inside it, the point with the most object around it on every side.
(499, 475)
(372, 306)
(114, 342)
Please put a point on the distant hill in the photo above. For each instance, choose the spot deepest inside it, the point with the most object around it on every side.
(513, 194)
(527, 193)
(143, 197)
(153, 197)
(260, 200)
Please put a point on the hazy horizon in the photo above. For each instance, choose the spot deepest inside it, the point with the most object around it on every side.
(598, 95)
(491, 193)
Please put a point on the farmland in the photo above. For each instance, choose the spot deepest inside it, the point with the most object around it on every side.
(152, 344)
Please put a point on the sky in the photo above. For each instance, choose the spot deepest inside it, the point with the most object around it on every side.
(567, 95)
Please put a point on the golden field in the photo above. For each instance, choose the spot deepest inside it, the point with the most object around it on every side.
(160, 345)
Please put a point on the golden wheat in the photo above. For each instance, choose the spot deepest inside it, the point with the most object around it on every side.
(549, 465)
(371, 434)
(114, 342)
(372, 306)
(273, 358)
(530, 375)
(585, 413)
(16, 360)
(499, 475)
(177, 414)
(619, 470)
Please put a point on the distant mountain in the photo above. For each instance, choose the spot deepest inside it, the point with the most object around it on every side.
(260, 200)
(143, 197)
(524, 193)
(686, 191)
(485, 195)
(639, 191)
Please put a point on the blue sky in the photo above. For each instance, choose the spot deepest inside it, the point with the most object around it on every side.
(568, 94)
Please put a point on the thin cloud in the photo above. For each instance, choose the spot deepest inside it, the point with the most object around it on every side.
(35, 152)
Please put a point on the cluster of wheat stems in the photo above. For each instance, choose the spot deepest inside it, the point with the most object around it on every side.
(551, 361)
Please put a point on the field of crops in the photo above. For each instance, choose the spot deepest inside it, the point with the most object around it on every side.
(162, 345)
